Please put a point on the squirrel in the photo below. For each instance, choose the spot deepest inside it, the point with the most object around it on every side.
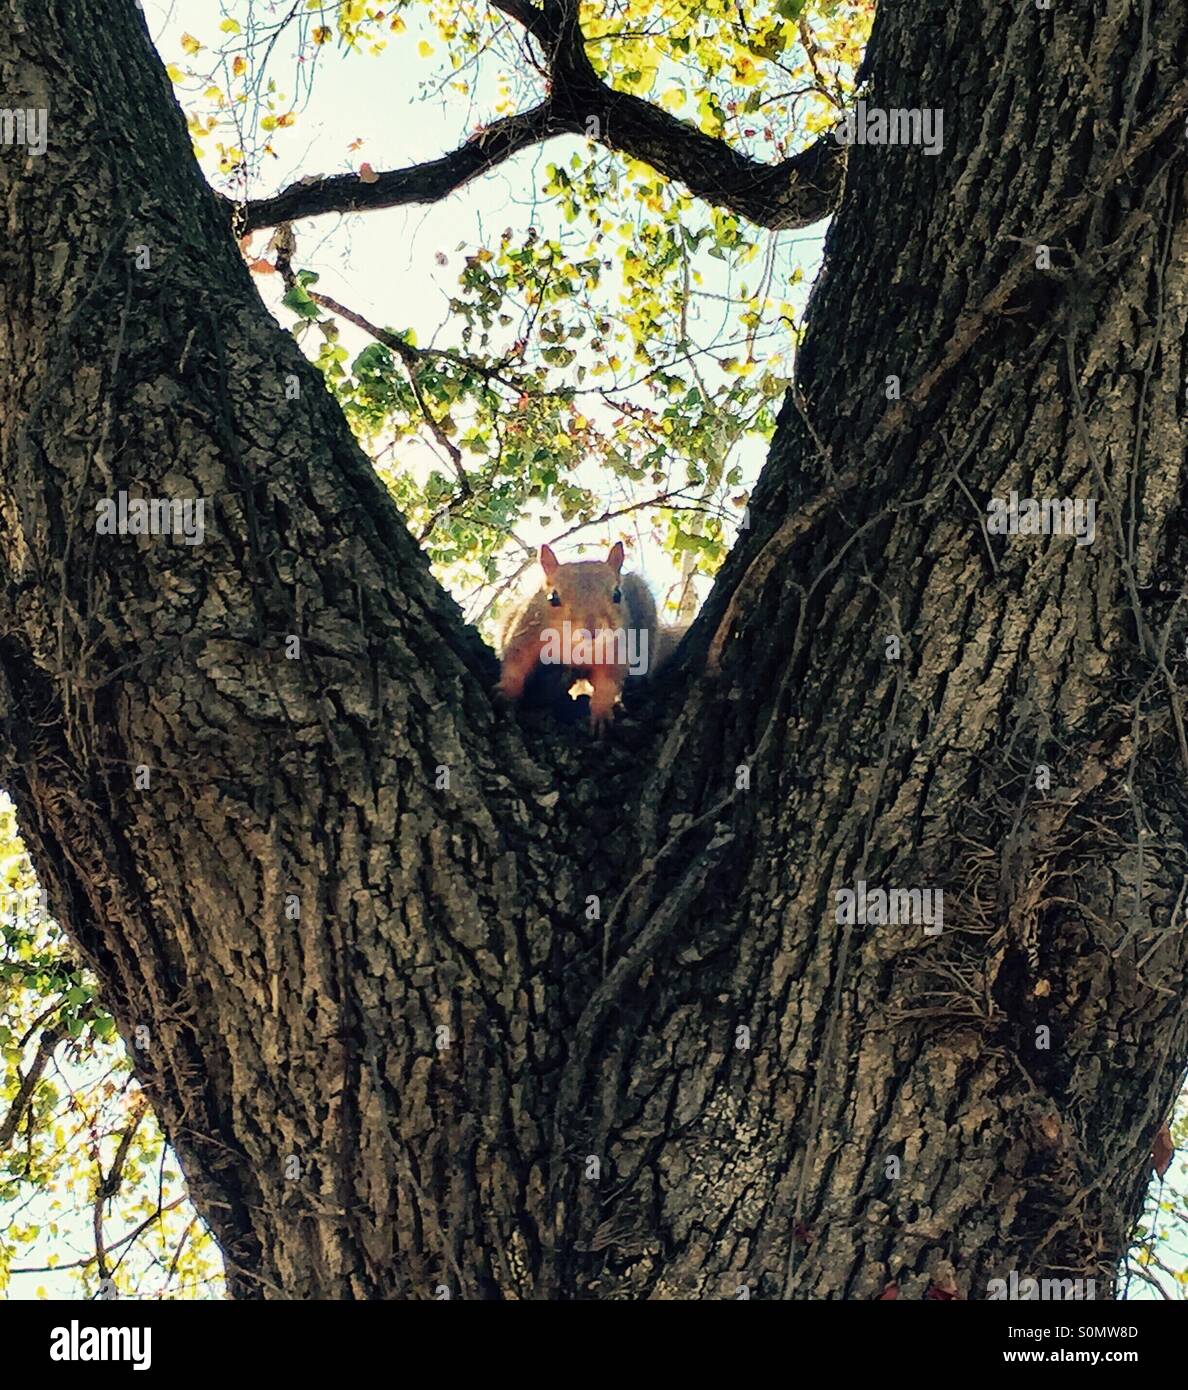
(588, 620)
(668, 639)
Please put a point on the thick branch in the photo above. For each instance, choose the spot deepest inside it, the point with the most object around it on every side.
(794, 193)
(420, 183)
(538, 24)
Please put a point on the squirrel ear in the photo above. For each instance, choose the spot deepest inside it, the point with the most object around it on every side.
(548, 561)
(615, 558)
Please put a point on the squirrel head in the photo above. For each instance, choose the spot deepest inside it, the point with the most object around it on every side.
(587, 593)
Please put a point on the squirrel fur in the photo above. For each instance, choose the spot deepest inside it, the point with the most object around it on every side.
(587, 621)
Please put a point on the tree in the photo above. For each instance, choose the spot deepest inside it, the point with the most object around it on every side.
(431, 998)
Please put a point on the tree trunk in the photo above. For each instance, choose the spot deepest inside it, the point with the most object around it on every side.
(427, 997)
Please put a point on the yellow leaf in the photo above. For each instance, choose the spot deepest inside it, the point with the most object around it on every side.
(174, 73)
(190, 44)
(230, 26)
(639, 81)
(321, 34)
(239, 66)
(746, 73)
(425, 48)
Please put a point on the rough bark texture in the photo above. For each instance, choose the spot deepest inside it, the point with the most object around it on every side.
(466, 1157)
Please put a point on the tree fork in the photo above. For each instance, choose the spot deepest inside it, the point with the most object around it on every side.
(411, 1082)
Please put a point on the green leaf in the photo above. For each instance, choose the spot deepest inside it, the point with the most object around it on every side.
(301, 304)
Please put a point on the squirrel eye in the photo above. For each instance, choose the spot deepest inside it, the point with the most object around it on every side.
(555, 599)
(617, 596)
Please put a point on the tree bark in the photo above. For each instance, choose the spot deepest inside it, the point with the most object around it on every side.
(427, 996)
